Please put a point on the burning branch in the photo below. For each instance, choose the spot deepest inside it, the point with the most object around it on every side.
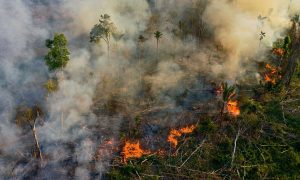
(174, 134)
(271, 74)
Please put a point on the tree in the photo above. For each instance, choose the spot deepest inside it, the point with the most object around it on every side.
(157, 36)
(141, 41)
(293, 43)
(51, 85)
(29, 116)
(228, 93)
(58, 55)
(103, 30)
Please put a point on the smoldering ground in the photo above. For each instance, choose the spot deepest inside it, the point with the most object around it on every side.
(97, 96)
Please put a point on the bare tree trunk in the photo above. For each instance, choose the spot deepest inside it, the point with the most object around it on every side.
(290, 69)
(139, 59)
(62, 112)
(222, 110)
(38, 148)
(157, 49)
(108, 49)
(295, 54)
(62, 120)
(235, 145)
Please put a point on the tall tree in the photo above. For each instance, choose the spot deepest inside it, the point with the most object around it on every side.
(141, 41)
(58, 56)
(103, 30)
(158, 36)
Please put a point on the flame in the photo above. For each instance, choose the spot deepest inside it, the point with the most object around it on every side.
(232, 107)
(271, 74)
(278, 51)
(172, 138)
(133, 150)
(269, 79)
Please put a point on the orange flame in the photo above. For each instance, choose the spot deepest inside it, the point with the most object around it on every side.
(278, 51)
(232, 107)
(172, 138)
(271, 75)
(133, 150)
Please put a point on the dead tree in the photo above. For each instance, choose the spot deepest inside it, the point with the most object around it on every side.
(294, 56)
(29, 117)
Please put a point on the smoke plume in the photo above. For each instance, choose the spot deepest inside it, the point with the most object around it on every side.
(203, 40)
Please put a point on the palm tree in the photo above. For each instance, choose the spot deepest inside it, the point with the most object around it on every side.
(228, 93)
(158, 36)
(141, 41)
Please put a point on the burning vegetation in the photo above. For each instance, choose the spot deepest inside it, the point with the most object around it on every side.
(175, 134)
(133, 150)
(278, 52)
(233, 109)
(272, 74)
(155, 89)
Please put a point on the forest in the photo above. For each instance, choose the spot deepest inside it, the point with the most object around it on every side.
(150, 89)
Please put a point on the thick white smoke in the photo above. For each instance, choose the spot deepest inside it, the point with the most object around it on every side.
(75, 125)
(21, 73)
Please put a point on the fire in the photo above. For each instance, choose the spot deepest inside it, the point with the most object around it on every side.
(271, 74)
(278, 51)
(172, 138)
(133, 150)
(232, 107)
(269, 79)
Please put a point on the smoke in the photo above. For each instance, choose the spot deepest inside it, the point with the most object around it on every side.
(237, 26)
(21, 74)
(97, 97)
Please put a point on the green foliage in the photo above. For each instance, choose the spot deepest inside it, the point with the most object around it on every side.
(103, 30)
(58, 54)
(287, 45)
(222, 154)
(141, 39)
(123, 173)
(27, 115)
(228, 92)
(284, 44)
(158, 35)
(273, 111)
(296, 18)
(51, 85)
(207, 126)
(252, 106)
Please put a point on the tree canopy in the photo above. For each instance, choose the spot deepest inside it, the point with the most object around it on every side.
(58, 54)
(103, 30)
